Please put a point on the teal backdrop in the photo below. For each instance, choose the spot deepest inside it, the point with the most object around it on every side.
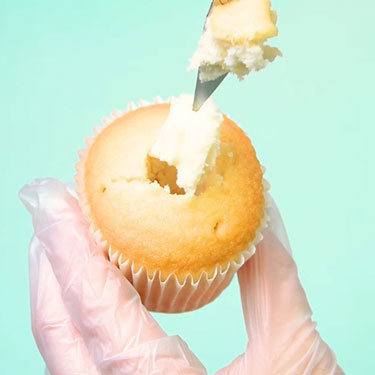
(310, 115)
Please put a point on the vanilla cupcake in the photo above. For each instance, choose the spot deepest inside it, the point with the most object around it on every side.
(175, 197)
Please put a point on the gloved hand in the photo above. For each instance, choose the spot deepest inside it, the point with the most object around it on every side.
(88, 319)
(282, 339)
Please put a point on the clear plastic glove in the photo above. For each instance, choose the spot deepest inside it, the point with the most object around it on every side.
(88, 319)
(282, 337)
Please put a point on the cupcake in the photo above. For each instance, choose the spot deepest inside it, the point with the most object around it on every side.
(175, 197)
(234, 39)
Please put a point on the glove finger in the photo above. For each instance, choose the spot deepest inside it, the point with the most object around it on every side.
(271, 293)
(102, 304)
(59, 342)
(282, 336)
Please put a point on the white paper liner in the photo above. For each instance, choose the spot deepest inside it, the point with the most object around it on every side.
(169, 295)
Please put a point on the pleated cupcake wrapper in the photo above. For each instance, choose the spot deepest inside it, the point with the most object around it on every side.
(169, 295)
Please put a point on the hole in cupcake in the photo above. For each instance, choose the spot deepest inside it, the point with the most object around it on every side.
(103, 189)
(164, 174)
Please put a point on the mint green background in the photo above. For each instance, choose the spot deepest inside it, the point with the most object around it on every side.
(65, 64)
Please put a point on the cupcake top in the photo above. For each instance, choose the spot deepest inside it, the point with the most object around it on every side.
(134, 200)
(234, 39)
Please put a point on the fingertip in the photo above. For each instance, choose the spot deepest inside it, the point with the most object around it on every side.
(48, 200)
(276, 223)
(46, 188)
